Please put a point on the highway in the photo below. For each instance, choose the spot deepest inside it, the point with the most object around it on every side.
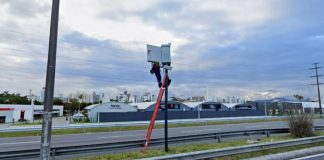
(57, 124)
(18, 143)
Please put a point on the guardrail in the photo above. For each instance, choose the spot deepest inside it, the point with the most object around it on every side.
(214, 153)
(137, 123)
(68, 150)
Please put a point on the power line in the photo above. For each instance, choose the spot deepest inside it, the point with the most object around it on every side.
(318, 84)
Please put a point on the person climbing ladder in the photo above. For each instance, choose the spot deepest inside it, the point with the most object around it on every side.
(157, 71)
(159, 57)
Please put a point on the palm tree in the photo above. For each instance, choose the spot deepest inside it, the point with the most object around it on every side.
(298, 97)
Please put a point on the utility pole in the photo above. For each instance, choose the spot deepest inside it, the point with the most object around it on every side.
(49, 87)
(318, 85)
(265, 107)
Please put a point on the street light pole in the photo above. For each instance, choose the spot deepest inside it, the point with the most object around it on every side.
(45, 148)
(166, 148)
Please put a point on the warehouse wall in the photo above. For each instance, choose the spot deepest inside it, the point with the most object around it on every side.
(145, 116)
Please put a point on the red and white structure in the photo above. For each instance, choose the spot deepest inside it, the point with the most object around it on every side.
(6, 115)
(15, 112)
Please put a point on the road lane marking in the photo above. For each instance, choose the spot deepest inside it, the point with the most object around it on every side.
(19, 143)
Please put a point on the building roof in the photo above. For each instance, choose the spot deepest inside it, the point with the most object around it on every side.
(142, 105)
(192, 104)
(90, 107)
(230, 105)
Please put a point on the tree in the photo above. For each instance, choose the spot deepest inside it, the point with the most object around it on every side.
(36, 102)
(7, 98)
(72, 106)
(298, 97)
(57, 101)
(80, 97)
(83, 105)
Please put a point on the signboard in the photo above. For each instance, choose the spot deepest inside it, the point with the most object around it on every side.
(166, 57)
(153, 53)
(115, 107)
(159, 54)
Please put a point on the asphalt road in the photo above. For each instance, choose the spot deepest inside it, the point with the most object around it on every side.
(20, 143)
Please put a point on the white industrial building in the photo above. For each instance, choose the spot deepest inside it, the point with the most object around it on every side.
(94, 110)
(26, 112)
(312, 106)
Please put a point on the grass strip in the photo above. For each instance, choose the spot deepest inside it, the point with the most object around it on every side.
(28, 124)
(200, 147)
(180, 149)
(128, 128)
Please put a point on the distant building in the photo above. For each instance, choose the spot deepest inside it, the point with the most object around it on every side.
(42, 95)
(197, 99)
(28, 112)
(133, 99)
(105, 98)
(95, 109)
(96, 97)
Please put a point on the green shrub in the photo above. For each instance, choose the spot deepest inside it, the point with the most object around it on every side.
(301, 125)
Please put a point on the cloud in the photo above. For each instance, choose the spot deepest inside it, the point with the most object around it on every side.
(232, 48)
(25, 9)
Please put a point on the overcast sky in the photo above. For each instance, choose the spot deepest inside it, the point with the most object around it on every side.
(247, 48)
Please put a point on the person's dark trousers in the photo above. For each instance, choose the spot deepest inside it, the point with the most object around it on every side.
(158, 76)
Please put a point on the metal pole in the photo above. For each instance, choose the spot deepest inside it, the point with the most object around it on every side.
(166, 112)
(198, 110)
(49, 87)
(318, 90)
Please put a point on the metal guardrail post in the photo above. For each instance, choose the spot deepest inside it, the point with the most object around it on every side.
(268, 133)
(53, 154)
(219, 138)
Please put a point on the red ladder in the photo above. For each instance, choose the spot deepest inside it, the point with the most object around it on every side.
(156, 109)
